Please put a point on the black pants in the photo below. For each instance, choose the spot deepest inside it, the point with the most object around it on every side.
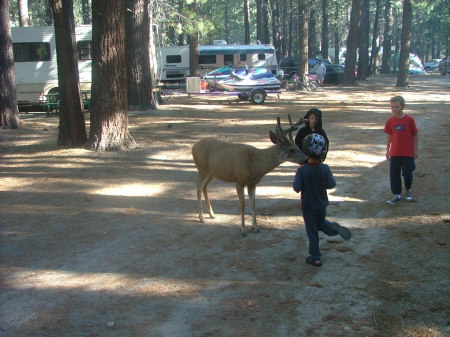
(314, 222)
(404, 166)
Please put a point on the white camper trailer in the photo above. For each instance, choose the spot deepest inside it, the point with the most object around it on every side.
(35, 64)
(173, 61)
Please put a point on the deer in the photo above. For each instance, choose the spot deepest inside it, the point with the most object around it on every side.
(243, 165)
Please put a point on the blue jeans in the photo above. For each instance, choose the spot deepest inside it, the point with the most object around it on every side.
(314, 222)
(404, 166)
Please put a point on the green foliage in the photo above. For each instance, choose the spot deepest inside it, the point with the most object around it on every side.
(224, 20)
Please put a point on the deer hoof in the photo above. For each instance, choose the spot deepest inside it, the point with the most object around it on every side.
(255, 229)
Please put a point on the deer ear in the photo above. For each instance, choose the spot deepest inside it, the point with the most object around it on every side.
(273, 137)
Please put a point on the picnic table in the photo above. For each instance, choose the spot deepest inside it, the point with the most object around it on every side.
(52, 102)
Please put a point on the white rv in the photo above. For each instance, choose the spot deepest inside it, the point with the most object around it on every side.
(173, 61)
(35, 64)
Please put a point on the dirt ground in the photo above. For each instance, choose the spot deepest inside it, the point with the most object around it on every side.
(109, 244)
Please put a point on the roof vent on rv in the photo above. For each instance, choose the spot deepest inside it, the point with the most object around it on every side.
(219, 42)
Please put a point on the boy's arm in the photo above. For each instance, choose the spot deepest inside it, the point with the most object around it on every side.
(416, 145)
(331, 182)
(388, 146)
(298, 183)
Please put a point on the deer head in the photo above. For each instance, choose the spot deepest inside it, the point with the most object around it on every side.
(286, 144)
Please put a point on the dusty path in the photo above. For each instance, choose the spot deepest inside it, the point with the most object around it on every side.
(109, 244)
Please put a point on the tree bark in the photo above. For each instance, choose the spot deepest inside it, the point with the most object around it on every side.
(276, 36)
(303, 37)
(376, 33)
(363, 64)
(402, 79)
(86, 12)
(9, 112)
(387, 39)
(193, 44)
(226, 21)
(23, 13)
(109, 112)
(137, 55)
(352, 42)
(324, 44)
(193, 54)
(72, 128)
(313, 36)
(152, 56)
(246, 23)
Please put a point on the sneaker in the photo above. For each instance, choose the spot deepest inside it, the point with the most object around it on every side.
(394, 200)
(344, 232)
(409, 196)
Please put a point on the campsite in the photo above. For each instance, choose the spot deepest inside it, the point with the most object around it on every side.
(110, 244)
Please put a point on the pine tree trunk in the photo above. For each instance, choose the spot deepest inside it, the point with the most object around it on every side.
(352, 42)
(402, 79)
(259, 21)
(376, 32)
(363, 64)
(325, 44)
(387, 39)
(313, 41)
(72, 128)
(276, 36)
(86, 12)
(246, 23)
(109, 112)
(9, 112)
(303, 37)
(137, 55)
(23, 13)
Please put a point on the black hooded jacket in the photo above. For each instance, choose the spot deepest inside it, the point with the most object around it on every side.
(306, 130)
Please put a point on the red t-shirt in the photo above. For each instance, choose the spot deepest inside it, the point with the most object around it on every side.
(402, 131)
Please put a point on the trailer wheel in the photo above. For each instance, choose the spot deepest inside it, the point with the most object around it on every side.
(258, 96)
(243, 97)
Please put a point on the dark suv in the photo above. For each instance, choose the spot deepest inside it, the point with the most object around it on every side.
(290, 65)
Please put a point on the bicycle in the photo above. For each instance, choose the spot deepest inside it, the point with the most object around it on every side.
(305, 83)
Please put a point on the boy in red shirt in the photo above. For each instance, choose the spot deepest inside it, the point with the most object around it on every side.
(401, 149)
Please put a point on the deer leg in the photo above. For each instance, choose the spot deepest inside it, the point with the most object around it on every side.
(251, 196)
(201, 180)
(240, 193)
(205, 194)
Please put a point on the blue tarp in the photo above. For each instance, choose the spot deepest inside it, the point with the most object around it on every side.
(229, 49)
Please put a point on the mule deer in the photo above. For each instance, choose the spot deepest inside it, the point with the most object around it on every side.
(243, 165)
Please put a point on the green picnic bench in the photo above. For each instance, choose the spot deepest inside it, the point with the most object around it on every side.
(52, 101)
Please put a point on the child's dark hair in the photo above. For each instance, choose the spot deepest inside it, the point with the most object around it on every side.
(316, 112)
(398, 99)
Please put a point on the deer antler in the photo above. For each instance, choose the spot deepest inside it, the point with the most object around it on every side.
(292, 128)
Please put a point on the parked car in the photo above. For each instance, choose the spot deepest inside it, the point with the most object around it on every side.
(432, 66)
(289, 65)
(334, 74)
(444, 64)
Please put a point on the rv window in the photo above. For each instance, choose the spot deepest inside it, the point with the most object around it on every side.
(261, 56)
(84, 50)
(207, 59)
(31, 51)
(243, 57)
(173, 59)
(228, 60)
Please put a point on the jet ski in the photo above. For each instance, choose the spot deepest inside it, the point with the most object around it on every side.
(223, 73)
(256, 78)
